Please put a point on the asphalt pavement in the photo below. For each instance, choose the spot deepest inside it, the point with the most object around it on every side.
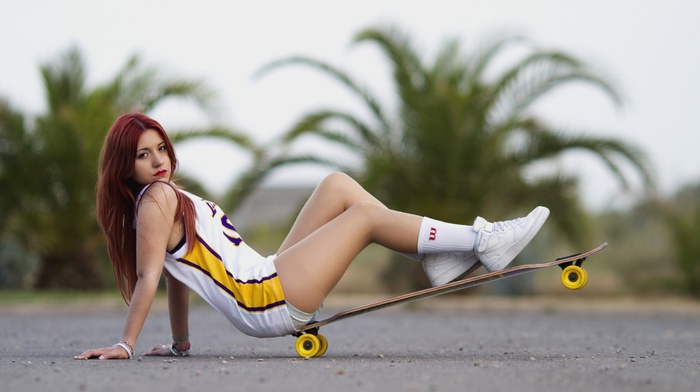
(487, 345)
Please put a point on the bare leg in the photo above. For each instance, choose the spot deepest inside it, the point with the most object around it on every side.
(339, 220)
(335, 194)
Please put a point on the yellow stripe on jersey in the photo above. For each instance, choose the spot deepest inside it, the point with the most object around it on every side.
(252, 295)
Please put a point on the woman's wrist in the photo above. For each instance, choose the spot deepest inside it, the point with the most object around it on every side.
(182, 342)
(127, 347)
(181, 345)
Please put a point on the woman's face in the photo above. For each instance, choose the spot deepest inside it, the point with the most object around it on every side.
(152, 160)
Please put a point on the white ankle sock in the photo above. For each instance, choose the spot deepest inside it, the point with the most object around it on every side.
(437, 237)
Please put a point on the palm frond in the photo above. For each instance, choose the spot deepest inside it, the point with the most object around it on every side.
(238, 138)
(64, 80)
(315, 123)
(361, 92)
(537, 74)
(543, 143)
(482, 59)
(260, 170)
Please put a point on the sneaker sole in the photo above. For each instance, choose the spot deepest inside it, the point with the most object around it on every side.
(440, 281)
(462, 275)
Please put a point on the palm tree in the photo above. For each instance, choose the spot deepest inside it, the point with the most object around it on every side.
(48, 163)
(461, 140)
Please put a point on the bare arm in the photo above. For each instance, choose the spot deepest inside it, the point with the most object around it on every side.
(178, 305)
(153, 230)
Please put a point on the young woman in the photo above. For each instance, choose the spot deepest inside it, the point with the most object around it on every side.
(154, 227)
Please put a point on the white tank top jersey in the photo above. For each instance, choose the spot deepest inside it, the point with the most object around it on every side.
(229, 274)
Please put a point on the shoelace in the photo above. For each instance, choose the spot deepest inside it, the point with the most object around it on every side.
(506, 225)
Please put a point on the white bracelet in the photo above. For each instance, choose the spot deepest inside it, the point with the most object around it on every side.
(125, 347)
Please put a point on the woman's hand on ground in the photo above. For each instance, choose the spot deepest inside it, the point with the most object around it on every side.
(162, 350)
(104, 353)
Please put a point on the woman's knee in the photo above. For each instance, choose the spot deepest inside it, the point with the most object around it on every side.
(368, 211)
(338, 181)
(340, 187)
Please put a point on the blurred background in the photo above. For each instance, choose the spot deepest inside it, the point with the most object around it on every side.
(450, 109)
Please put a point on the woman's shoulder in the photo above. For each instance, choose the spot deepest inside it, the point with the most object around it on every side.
(160, 192)
(158, 189)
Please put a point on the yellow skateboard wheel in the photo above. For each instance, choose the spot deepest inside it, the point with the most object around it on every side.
(574, 277)
(308, 346)
(324, 345)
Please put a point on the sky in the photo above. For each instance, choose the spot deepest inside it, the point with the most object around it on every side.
(648, 49)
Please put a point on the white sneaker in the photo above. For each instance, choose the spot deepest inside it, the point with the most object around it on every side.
(443, 268)
(498, 243)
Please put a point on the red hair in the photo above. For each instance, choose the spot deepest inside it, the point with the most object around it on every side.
(117, 192)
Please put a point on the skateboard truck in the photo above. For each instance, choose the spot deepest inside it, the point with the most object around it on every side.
(312, 331)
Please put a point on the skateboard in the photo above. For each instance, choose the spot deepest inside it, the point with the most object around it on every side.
(310, 343)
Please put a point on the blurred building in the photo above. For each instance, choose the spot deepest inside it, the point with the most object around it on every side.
(270, 206)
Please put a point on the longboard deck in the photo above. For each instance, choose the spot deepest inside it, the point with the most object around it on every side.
(451, 287)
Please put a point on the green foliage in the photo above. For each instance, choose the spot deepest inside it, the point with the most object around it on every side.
(640, 254)
(654, 245)
(16, 265)
(462, 141)
(684, 222)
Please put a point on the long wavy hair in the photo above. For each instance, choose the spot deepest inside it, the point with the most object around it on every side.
(117, 192)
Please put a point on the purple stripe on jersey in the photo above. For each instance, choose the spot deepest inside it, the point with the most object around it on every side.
(250, 281)
(262, 308)
(209, 248)
(229, 292)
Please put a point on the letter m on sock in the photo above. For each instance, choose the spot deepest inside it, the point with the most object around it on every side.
(433, 234)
